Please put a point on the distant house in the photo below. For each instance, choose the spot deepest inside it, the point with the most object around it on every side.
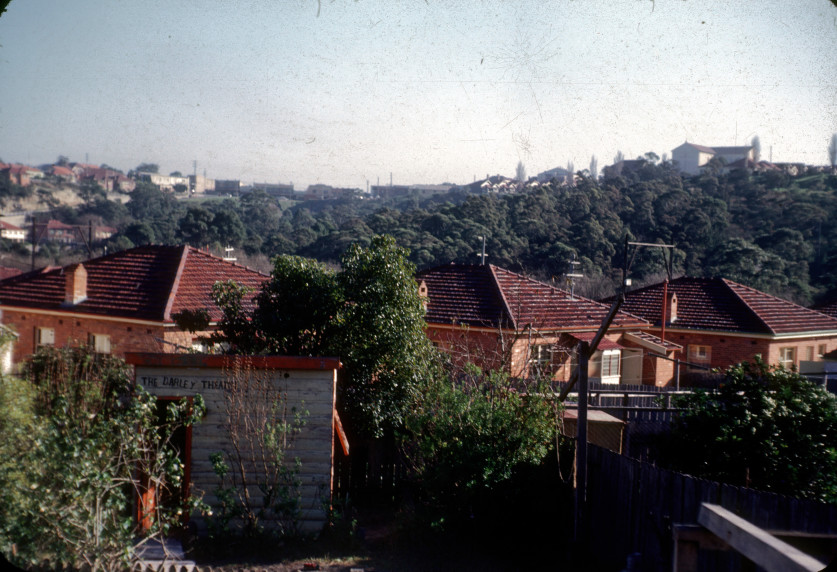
(11, 232)
(64, 173)
(168, 183)
(720, 323)
(56, 231)
(560, 174)
(498, 319)
(122, 302)
(692, 158)
(20, 175)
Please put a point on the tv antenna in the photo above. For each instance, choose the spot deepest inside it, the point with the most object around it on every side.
(572, 275)
(483, 255)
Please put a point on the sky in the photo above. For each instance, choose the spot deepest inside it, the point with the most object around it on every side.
(353, 93)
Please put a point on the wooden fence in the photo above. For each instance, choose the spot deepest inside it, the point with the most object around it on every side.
(633, 506)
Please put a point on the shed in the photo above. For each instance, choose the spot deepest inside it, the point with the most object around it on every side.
(305, 383)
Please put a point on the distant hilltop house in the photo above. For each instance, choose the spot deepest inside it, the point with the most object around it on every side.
(20, 175)
(123, 302)
(563, 176)
(12, 232)
(170, 183)
(108, 179)
(692, 159)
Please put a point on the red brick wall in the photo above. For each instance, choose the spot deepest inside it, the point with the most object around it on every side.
(72, 331)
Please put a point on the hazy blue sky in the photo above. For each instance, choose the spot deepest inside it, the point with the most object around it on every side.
(344, 92)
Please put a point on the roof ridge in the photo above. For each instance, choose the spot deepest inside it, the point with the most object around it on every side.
(184, 255)
(506, 307)
(728, 282)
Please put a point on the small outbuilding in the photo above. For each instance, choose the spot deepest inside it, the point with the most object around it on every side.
(236, 391)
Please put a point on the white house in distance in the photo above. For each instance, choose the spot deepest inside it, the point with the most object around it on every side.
(691, 158)
(11, 232)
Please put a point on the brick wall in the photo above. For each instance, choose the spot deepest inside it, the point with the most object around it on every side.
(72, 331)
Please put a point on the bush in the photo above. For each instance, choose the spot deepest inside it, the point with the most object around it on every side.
(468, 440)
(766, 427)
(76, 437)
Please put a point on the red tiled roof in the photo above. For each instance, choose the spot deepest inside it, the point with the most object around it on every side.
(8, 226)
(490, 296)
(719, 304)
(146, 283)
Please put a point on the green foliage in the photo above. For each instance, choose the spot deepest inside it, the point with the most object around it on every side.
(369, 314)
(768, 428)
(76, 436)
(469, 439)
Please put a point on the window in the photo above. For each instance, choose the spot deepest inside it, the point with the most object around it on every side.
(100, 343)
(699, 355)
(610, 366)
(46, 337)
(787, 357)
(809, 353)
(540, 358)
(821, 351)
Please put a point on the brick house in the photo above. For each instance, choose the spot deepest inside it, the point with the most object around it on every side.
(498, 319)
(720, 323)
(122, 302)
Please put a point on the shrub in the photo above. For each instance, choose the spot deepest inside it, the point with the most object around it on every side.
(78, 435)
(469, 439)
(766, 427)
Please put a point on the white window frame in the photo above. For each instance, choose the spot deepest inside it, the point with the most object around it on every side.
(540, 359)
(611, 359)
(787, 357)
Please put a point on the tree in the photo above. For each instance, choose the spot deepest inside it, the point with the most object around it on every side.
(75, 437)
(594, 168)
(619, 157)
(756, 144)
(369, 313)
(62, 161)
(175, 174)
(520, 172)
(766, 427)
(832, 151)
(147, 168)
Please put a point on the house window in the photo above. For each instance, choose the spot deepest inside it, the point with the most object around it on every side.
(100, 343)
(821, 350)
(46, 337)
(809, 353)
(610, 366)
(700, 356)
(787, 357)
(540, 358)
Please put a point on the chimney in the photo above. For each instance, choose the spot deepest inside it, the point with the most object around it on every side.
(75, 290)
(671, 307)
(423, 294)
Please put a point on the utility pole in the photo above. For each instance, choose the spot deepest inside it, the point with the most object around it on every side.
(572, 275)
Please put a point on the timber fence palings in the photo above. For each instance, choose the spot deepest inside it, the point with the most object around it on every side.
(636, 505)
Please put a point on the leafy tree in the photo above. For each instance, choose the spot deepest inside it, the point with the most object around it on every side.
(148, 168)
(766, 428)
(369, 313)
(175, 174)
(62, 161)
(468, 439)
(75, 437)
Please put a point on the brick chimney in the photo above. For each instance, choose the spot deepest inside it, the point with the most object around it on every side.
(75, 291)
(671, 307)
